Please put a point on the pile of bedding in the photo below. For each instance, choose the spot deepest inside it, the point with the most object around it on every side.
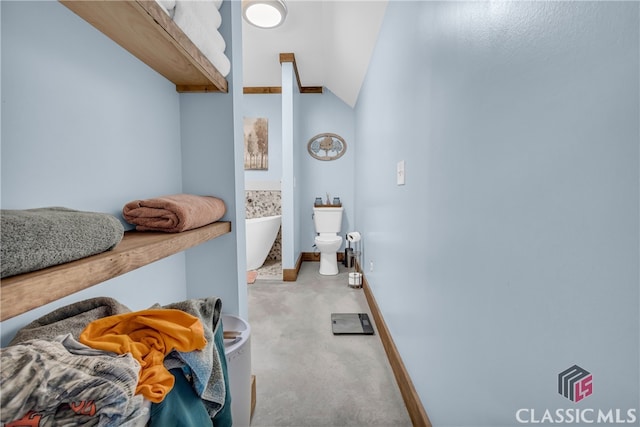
(33, 239)
(200, 21)
(96, 363)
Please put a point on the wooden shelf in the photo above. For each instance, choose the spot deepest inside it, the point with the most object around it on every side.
(146, 31)
(27, 291)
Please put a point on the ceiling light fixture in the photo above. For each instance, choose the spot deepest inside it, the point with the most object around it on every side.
(264, 13)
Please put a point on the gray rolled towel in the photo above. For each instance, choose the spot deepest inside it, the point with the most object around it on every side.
(33, 239)
(70, 319)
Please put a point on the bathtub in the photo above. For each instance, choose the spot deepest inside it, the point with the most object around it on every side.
(261, 233)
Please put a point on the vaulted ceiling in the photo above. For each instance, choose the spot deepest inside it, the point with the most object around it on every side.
(332, 41)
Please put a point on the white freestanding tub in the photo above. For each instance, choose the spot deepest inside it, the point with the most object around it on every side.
(238, 355)
(261, 233)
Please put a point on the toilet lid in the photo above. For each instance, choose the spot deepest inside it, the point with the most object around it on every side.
(328, 239)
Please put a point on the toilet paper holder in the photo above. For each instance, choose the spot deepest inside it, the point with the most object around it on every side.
(353, 237)
(352, 259)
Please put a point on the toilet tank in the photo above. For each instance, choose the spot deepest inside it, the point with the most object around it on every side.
(327, 220)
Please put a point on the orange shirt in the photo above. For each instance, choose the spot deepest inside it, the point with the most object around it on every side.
(148, 335)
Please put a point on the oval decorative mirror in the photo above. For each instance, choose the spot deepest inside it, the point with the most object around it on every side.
(326, 146)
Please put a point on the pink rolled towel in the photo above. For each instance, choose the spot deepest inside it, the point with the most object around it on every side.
(175, 213)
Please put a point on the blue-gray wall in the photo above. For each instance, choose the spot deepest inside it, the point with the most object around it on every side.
(326, 113)
(289, 220)
(512, 251)
(314, 114)
(87, 126)
(510, 254)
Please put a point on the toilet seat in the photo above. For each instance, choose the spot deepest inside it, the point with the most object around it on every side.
(328, 239)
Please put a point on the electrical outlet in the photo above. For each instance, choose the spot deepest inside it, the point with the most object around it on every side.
(370, 266)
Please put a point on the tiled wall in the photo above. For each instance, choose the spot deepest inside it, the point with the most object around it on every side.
(261, 203)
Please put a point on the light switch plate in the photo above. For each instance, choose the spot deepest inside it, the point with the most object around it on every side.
(400, 175)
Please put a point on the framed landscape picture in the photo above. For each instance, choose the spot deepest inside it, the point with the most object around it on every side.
(256, 143)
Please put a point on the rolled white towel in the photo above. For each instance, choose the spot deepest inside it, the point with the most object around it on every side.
(212, 45)
(215, 41)
(205, 37)
(190, 13)
(217, 58)
(194, 18)
(167, 6)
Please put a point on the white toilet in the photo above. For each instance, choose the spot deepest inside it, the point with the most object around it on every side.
(328, 223)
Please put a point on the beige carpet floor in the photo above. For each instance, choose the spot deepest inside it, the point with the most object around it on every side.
(305, 375)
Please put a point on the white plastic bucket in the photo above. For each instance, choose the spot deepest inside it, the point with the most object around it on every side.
(238, 354)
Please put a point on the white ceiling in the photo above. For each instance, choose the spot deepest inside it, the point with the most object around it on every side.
(332, 41)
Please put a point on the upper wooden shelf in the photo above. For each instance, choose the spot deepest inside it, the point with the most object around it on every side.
(146, 31)
(27, 291)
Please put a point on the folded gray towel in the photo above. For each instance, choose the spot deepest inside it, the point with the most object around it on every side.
(33, 239)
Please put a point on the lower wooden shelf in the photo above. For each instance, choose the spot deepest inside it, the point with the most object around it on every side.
(27, 291)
